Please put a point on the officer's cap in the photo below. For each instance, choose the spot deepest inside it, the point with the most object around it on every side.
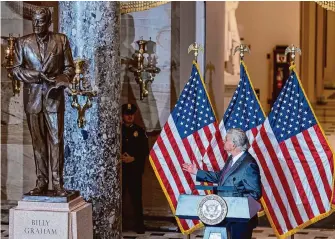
(128, 109)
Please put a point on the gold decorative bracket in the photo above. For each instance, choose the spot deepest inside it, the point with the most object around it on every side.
(135, 6)
(9, 62)
(138, 67)
(78, 87)
(329, 5)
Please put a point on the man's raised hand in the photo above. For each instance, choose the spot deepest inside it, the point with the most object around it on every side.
(191, 168)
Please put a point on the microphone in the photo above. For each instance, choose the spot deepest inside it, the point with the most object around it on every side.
(236, 188)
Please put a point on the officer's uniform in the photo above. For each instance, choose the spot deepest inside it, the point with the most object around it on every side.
(134, 143)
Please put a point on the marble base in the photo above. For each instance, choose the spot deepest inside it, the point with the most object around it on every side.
(49, 197)
(41, 220)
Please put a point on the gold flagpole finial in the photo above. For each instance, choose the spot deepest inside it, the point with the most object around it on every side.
(242, 49)
(196, 48)
(293, 50)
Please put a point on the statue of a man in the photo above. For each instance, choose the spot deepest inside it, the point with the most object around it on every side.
(43, 61)
(233, 38)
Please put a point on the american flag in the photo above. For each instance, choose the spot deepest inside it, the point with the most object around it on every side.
(296, 163)
(184, 139)
(244, 111)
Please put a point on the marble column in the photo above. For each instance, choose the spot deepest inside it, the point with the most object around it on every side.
(92, 162)
(215, 57)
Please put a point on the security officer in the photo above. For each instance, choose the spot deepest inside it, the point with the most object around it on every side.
(135, 150)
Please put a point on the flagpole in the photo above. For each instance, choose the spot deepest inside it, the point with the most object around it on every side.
(293, 50)
(195, 47)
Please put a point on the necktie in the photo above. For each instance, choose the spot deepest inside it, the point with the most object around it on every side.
(226, 169)
(42, 46)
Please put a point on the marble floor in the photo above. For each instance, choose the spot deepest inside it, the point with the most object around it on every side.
(169, 232)
(259, 233)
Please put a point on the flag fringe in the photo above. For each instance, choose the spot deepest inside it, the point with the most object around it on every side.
(302, 226)
(261, 213)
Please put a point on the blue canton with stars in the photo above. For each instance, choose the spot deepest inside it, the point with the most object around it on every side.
(290, 114)
(244, 111)
(193, 110)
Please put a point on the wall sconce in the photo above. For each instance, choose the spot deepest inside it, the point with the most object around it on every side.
(144, 73)
(9, 62)
(78, 87)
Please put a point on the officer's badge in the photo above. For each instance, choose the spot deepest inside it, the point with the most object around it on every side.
(135, 134)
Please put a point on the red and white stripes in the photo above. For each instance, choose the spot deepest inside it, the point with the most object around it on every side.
(296, 176)
(170, 152)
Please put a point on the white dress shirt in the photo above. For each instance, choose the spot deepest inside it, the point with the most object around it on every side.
(237, 157)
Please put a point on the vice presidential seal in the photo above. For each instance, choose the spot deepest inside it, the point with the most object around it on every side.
(212, 209)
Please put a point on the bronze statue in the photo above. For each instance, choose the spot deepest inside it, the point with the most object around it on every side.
(44, 63)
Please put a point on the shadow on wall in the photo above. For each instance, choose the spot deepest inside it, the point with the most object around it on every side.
(175, 53)
(210, 69)
(126, 51)
(147, 108)
(147, 111)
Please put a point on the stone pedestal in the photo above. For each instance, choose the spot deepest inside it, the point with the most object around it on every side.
(42, 220)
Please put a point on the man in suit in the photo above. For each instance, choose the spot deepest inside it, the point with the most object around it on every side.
(43, 62)
(135, 150)
(240, 172)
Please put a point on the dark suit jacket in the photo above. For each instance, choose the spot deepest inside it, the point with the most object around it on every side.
(28, 64)
(135, 143)
(244, 175)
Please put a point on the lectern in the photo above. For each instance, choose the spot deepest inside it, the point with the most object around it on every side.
(215, 211)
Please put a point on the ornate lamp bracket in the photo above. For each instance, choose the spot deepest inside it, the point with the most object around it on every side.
(78, 87)
(9, 62)
(139, 69)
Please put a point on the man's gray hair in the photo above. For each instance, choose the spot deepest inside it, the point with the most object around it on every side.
(239, 138)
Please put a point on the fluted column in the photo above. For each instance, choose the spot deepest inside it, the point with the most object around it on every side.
(92, 162)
